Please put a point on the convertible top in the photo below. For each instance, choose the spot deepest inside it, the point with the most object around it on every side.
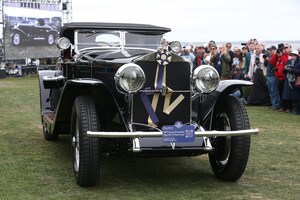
(116, 26)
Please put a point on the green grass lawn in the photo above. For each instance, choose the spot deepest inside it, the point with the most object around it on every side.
(33, 168)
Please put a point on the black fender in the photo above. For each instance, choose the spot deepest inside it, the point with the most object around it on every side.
(19, 31)
(53, 32)
(208, 106)
(106, 105)
(44, 93)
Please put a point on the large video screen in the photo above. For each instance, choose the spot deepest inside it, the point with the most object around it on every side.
(31, 29)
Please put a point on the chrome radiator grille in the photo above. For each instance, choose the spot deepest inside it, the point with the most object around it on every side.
(170, 104)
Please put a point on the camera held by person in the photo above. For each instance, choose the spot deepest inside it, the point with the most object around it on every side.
(265, 56)
(274, 69)
(257, 61)
(287, 68)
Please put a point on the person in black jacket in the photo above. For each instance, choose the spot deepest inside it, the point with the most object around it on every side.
(291, 93)
(228, 46)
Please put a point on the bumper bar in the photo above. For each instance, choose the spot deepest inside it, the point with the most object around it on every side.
(159, 134)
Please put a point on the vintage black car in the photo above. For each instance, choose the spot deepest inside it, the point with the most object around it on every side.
(29, 31)
(121, 89)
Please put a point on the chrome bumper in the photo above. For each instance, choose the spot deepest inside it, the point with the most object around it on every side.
(159, 134)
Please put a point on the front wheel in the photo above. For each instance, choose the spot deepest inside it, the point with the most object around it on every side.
(85, 150)
(16, 39)
(229, 160)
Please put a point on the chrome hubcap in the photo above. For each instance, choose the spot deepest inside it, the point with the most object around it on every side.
(76, 148)
(227, 147)
(16, 39)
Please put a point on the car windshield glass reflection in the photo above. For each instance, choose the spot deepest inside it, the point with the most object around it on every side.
(142, 41)
(98, 39)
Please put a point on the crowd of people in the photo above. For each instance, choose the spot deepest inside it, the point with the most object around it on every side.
(272, 70)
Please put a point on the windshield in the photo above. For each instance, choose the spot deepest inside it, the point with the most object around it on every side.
(88, 39)
(142, 41)
(115, 39)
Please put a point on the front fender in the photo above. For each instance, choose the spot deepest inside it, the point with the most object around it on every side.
(19, 31)
(107, 106)
(225, 88)
(44, 93)
(229, 86)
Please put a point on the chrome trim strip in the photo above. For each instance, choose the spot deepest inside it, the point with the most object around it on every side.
(159, 134)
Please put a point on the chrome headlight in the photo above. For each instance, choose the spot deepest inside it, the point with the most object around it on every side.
(205, 78)
(175, 46)
(130, 78)
(63, 43)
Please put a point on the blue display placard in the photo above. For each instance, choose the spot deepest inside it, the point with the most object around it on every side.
(178, 133)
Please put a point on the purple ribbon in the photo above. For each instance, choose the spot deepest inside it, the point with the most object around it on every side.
(148, 107)
(160, 77)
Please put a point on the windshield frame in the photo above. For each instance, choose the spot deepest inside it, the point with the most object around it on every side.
(122, 43)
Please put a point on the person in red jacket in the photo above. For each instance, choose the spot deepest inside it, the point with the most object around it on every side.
(277, 62)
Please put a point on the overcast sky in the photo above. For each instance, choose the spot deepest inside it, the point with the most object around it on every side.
(201, 21)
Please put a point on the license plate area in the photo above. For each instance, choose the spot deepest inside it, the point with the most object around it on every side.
(178, 133)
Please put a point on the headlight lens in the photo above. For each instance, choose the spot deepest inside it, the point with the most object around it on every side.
(175, 46)
(206, 78)
(130, 78)
(63, 43)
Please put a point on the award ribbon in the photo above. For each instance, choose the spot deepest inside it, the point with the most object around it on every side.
(163, 58)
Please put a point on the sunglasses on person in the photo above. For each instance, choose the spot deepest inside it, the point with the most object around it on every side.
(228, 46)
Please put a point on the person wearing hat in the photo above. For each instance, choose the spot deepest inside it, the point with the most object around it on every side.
(200, 54)
(291, 94)
(272, 81)
(271, 48)
(278, 61)
(288, 48)
(244, 51)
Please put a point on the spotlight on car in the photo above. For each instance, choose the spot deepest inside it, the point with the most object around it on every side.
(129, 78)
(205, 79)
(63, 43)
(175, 46)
